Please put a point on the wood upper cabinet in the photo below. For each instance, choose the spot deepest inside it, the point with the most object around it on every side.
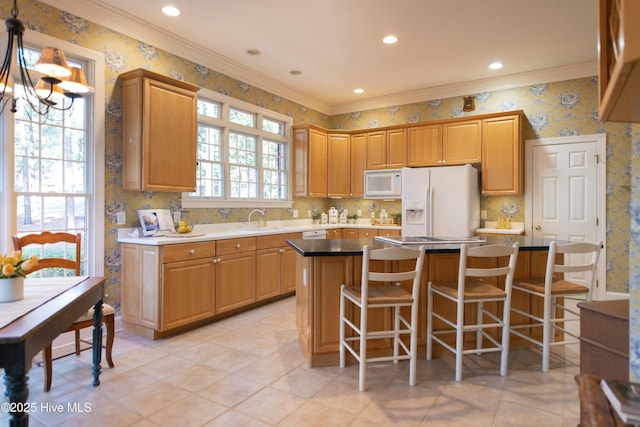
(424, 146)
(387, 149)
(502, 155)
(159, 132)
(619, 60)
(358, 163)
(461, 142)
(310, 152)
(339, 165)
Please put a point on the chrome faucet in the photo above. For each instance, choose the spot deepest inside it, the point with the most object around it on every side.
(261, 222)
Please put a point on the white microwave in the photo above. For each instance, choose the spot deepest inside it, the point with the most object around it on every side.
(383, 184)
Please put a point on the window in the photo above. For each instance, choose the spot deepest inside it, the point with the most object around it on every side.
(243, 155)
(55, 173)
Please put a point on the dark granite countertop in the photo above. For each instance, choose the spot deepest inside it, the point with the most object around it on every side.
(353, 247)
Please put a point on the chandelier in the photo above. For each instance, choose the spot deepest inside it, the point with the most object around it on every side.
(58, 82)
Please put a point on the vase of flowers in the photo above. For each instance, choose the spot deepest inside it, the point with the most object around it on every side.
(14, 270)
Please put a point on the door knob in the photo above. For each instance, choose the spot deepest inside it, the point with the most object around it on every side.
(538, 228)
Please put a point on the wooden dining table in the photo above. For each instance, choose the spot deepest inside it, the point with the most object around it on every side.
(49, 307)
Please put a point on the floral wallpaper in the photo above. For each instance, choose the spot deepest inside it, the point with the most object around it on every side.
(634, 259)
(551, 110)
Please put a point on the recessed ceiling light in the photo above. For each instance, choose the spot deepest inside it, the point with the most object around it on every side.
(495, 65)
(295, 72)
(358, 91)
(171, 11)
(253, 52)
(390, 39)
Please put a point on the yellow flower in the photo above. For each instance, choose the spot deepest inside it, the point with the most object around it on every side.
(8, 269)
(17, 254)
(28, 264)
(10, 260)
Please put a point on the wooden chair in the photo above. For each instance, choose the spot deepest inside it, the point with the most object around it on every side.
(85, 321)
(387, 293)
(555, 290)
(473, 288)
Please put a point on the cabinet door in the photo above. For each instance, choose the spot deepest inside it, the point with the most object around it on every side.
(367, 232)
(424, 145)
(287, 270)
(376, 150)
(268, 271)
(335, 233)
(235, 281)
(169, 149)
(339, 165)
(300, 159)
(387, 233)
(461, 142)
(187, 292)
(396, 148)
(502, 156)
(317, 175)
(132, 134)
(358, 163)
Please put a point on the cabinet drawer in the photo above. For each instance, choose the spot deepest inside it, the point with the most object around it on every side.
(276, 240)
(187, 251)
(232, 246)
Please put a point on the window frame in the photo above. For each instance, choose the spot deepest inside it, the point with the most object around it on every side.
(95, 163)
(226, 127)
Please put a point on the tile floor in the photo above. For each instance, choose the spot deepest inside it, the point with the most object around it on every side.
(248, 371)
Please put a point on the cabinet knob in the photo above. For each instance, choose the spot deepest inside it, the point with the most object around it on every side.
(538, 228)
(192, 251)
(281, 250)
(238, 246)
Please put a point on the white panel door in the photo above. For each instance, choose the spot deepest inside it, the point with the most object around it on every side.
(566, 192)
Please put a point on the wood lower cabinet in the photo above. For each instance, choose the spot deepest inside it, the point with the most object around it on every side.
(159, 132)
(235, 273)
(275, 270)
(318, 296)
(502, 156)
(335, 233)
(169, 288)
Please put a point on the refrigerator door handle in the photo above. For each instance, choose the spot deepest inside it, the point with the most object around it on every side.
(431, 211)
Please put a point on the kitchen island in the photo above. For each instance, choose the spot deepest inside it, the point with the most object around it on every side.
(322, 266)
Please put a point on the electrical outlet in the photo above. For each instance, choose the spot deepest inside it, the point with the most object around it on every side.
(359, 213)
(177, 216)
(121, 218)
(294, 213)
(309, 213)
(483, 214)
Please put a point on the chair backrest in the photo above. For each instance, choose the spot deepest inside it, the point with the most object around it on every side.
(488, 251)
(48, 238)
(577, 248)
(393, 254)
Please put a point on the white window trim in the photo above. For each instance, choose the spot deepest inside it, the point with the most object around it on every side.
(95, 152)
(226, 102)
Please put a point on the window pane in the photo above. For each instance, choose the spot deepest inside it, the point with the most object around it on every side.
(242, 118)
(244, 183)
(242, 149)
(209, 179)
(209, 108)
(273, 126)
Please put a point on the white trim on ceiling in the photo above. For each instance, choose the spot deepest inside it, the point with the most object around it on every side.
(102, 14)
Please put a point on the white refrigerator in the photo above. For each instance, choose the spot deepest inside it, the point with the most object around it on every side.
(440, 201)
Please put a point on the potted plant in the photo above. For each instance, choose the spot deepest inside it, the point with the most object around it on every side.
(14, 270)
(351, 219)
(397, 218)
(316, 218)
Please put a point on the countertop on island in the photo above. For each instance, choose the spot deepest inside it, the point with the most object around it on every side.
(353, 247)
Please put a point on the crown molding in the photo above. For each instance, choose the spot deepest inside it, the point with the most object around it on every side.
(115, 19)
(547, 75)
(118, 20)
